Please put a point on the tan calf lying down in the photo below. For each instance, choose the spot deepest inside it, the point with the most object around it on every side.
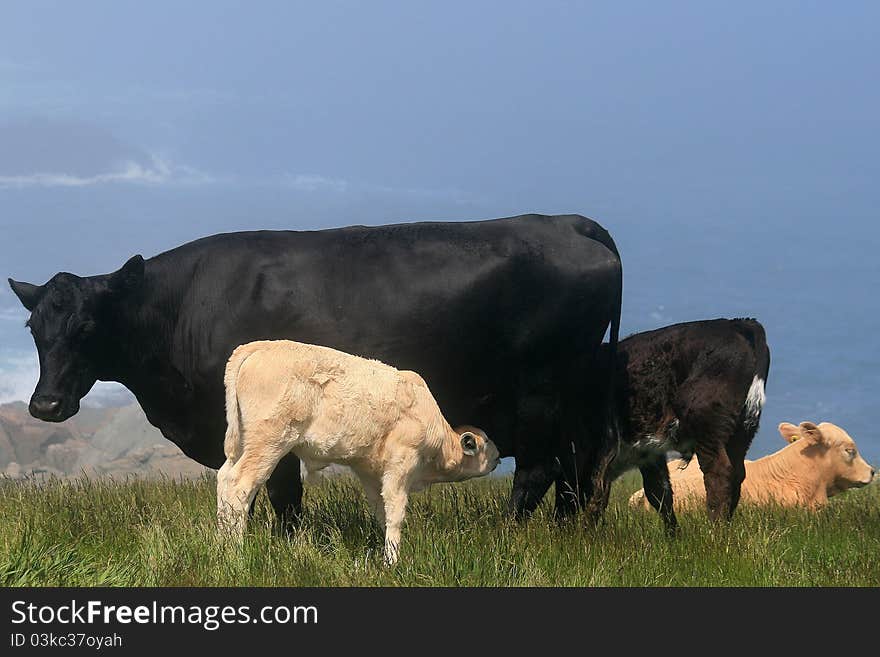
(330, 407)
(819, 462)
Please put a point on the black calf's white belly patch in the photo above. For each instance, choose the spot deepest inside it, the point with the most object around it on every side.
(650, 446)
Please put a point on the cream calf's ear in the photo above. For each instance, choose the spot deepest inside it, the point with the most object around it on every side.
(468, 443)
(789, 432)
(811, 432)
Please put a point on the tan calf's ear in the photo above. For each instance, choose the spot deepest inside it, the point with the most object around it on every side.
(811, 432)
(789, 432)
(468, 443)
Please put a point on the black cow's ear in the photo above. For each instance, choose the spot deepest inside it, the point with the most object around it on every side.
(28, 293)
(130, 276)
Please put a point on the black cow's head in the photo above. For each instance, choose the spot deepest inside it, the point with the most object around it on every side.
(70, 321)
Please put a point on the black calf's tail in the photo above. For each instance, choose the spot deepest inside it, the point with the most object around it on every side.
(754, 403)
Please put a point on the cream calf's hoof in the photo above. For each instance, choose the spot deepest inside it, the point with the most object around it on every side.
(392, 554)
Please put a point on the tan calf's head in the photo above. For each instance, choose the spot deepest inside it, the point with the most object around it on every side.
(479, 455)
(835, 453)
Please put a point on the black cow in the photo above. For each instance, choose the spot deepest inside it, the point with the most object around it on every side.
(502, 318)
(693, 387)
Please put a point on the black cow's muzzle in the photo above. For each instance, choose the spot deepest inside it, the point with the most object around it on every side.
(49, 409)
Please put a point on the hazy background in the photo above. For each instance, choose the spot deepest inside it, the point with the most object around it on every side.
(731, 150)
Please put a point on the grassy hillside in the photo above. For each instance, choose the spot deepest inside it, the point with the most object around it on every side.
(162, 533)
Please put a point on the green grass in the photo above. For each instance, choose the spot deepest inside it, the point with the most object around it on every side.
(140, 533)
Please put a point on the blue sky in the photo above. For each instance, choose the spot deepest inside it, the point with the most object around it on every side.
(731, 148)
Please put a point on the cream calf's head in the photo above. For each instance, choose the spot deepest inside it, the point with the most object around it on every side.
(833, 452)
(476, 454)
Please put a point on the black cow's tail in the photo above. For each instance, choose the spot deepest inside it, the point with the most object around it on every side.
(612, 421)
(610, 412)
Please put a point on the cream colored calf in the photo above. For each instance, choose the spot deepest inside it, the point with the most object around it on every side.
(330, 407)
(818, 462)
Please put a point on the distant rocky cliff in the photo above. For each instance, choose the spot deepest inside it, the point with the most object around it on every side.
(98, 441)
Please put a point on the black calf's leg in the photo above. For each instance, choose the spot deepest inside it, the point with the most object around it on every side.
(737, 475)
(658, 490)
(718, 478)
(285, 493)
(530, 484)
(736, 449)
(709, 424)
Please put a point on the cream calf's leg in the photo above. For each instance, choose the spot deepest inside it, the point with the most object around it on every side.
(230, 519)
(395, 495)
(372, 489)
(238, 483)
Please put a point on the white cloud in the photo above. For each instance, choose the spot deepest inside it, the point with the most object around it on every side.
(163, 172)
(158, 172)
(659, 317)
(41, 152)
(312, 182)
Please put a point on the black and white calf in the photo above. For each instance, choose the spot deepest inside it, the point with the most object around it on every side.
(690, 388)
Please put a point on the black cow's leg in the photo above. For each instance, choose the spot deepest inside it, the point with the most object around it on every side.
(285, 493)
(536, 467)
(658, 490)
(571, 490)
(596, 472)
(530, 484)
(568, 497)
